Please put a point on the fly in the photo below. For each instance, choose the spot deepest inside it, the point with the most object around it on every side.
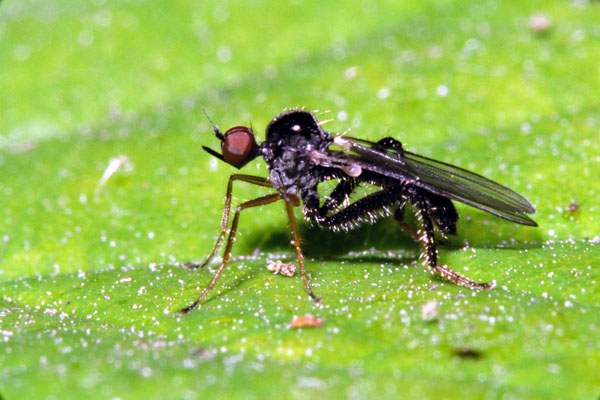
(299, 155)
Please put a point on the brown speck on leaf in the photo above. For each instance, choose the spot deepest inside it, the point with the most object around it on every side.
(468, 352)
(573, 207)
(306, 321)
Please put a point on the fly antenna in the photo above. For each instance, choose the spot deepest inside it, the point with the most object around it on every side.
(215, 128)
(208, 117)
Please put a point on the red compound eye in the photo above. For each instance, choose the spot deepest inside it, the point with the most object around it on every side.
(239, 146)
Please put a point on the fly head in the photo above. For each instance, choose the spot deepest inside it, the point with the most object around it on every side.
(238, 146)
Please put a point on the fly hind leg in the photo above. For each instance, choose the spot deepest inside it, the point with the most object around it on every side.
(427, 238)
(391, 144)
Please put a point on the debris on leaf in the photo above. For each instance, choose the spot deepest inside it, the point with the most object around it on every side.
(114, 165)
(429, 311)
(282, 268)
(204, 353)
(539, 23)
(306, 321)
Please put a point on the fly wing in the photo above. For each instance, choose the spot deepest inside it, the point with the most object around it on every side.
(437, 177)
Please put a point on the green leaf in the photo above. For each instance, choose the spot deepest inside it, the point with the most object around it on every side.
(90, 268)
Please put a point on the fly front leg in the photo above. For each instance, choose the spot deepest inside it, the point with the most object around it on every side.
(255, 180)
(271, 198)
(427, 238)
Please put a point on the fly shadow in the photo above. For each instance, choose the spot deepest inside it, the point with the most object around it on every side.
(385, 240)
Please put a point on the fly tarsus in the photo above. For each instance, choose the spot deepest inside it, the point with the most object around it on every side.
(460, 280)
(189, 308)
(194, 265)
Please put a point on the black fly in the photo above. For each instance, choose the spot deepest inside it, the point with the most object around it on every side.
(300, 155)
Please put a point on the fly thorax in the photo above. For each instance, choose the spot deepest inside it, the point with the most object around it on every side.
(290, 139)
(290, 167)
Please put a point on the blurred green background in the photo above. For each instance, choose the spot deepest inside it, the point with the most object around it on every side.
(90, 273)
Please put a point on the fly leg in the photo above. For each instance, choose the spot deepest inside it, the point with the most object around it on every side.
(367, 209)
(340, 193)
(427, 238)
(256, 180)
(338, 196)
(391, 144)
(406, 228)
(289, 204)
(270, 198)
